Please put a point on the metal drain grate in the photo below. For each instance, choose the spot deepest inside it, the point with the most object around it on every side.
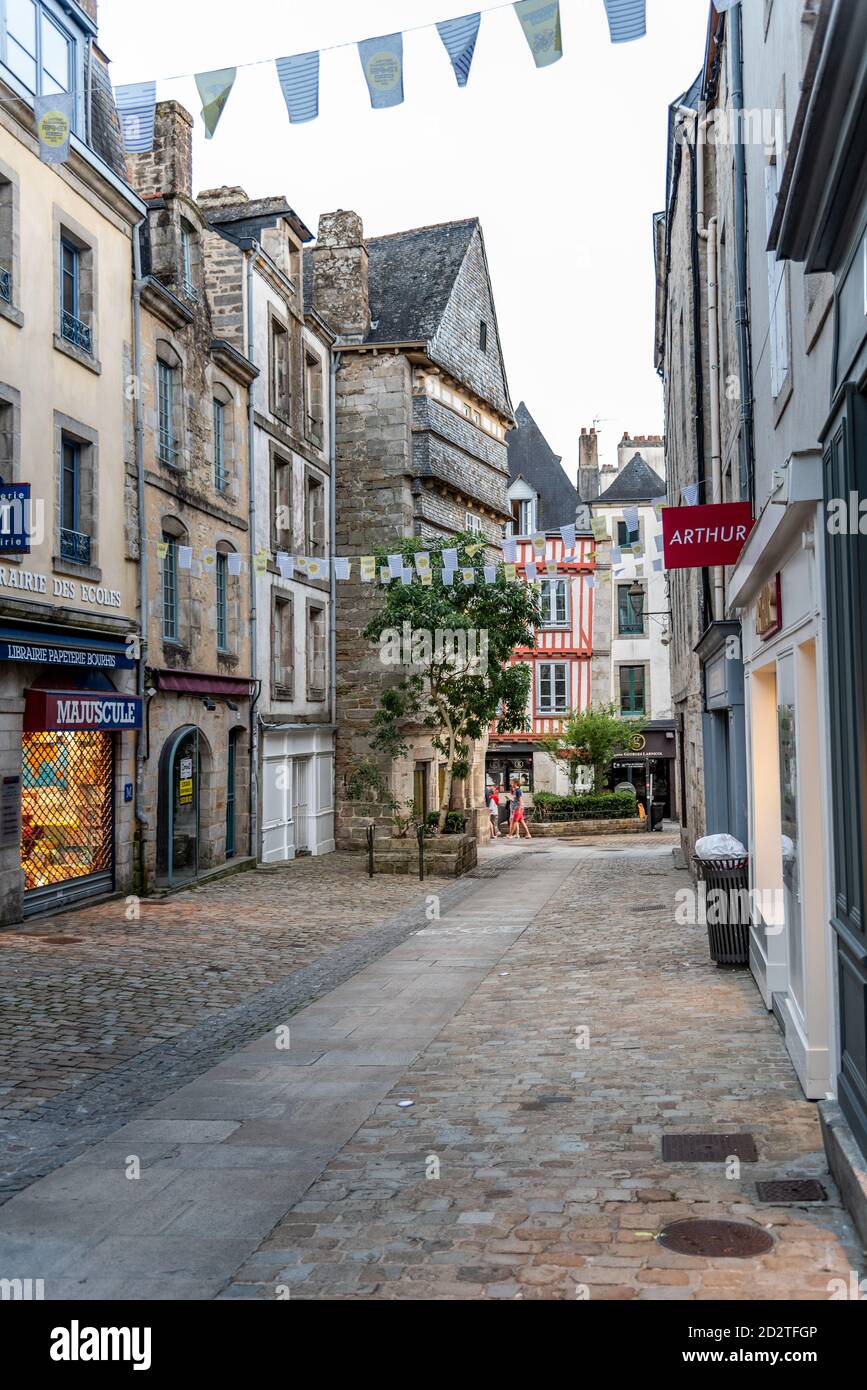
(729, 1240)
(58, 940)
(652, 907)
(708, 1148)
(791, 1190)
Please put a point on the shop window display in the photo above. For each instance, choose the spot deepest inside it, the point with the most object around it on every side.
(66, 806)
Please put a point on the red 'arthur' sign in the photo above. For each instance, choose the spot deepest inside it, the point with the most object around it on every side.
(710, 535)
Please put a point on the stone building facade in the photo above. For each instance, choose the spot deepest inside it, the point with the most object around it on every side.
(292, 470)
(422, 413)
(69, 707)
(195, 376)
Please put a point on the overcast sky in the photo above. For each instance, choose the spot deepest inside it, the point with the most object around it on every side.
(564, 165)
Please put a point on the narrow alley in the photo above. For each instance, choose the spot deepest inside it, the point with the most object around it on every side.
(476, 1112)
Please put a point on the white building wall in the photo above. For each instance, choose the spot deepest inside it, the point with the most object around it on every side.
(296, 739)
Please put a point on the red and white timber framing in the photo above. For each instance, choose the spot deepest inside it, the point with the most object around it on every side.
(571, 643)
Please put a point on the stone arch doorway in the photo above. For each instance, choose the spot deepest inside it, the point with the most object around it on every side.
(184, 805)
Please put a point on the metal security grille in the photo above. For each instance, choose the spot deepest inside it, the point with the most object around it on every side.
(66, 807)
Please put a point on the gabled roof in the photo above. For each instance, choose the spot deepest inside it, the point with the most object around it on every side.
(532, 458)
(422, 285)
(412, 275)
(636, 483)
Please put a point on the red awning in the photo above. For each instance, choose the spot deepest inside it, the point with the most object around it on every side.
(195, 683)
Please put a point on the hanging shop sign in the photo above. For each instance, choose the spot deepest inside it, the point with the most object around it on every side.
(15, 518)
(769, 609)
(72, 710)
(694, 537)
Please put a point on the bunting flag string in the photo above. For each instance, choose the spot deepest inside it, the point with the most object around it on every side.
(299, 82)
(382, 64)
(626, 20)
(214, 88)
(459, 37)
(395, 569)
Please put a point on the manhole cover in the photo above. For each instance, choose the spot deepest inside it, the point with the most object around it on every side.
(730, 1240)
(708, 1148)
(791, 1190)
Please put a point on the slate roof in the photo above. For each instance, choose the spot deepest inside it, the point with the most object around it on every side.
(105, 136)
(411, 276)
(636, 483)
(532, 458)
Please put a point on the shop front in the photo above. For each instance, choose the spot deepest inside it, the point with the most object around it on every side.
(777, 587)
(648, 766)
(60, 813)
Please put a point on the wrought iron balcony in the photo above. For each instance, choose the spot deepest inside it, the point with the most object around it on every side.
(6, 285)
(75, 547)
(630, 627)
(190, 291)
(76, 332)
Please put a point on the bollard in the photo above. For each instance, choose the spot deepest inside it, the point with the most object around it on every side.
(419, 831)
(370, 833)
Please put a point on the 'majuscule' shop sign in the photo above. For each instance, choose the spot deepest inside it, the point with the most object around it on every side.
(709, 535)
(76, 709)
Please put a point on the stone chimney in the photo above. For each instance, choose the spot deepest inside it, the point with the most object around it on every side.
(168, 167)
(340, 275)
(90, 8)
(588, 464)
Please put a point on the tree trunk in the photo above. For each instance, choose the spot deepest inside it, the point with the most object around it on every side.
(447, 788)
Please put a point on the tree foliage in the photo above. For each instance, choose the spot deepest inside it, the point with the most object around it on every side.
(590, 738)
(451, 648)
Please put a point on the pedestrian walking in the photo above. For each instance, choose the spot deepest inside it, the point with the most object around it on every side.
(516, 819)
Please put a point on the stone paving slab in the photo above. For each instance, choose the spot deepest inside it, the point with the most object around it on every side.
(199, 1208)
(261, 924)
(549, 1179)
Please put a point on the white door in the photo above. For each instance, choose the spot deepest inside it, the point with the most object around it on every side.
(277, 795)
(300, 804)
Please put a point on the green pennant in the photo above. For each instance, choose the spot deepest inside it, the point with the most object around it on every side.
(214, 88)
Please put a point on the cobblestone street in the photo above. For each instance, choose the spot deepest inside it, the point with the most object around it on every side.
(525, 1166)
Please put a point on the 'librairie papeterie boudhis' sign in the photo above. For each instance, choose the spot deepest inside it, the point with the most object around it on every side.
(72, 710)
(693, 537)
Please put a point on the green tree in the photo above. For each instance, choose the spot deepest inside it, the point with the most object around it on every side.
(590, 738)
(451, 647)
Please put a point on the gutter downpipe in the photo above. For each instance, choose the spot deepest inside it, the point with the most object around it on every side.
(249, 250)
(141, 749)
(332, 543)
(708, 234)
(742, 318)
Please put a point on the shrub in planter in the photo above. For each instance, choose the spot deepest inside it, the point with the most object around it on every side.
(593, 806)
(456, 823)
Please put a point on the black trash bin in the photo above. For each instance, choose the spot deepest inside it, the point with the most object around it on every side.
(728, 939)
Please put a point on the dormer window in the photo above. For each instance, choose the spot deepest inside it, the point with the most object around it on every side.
(36, 47)
(188, 281)
(483, 336)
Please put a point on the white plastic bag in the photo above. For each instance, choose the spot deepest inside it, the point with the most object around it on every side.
(719, 847)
